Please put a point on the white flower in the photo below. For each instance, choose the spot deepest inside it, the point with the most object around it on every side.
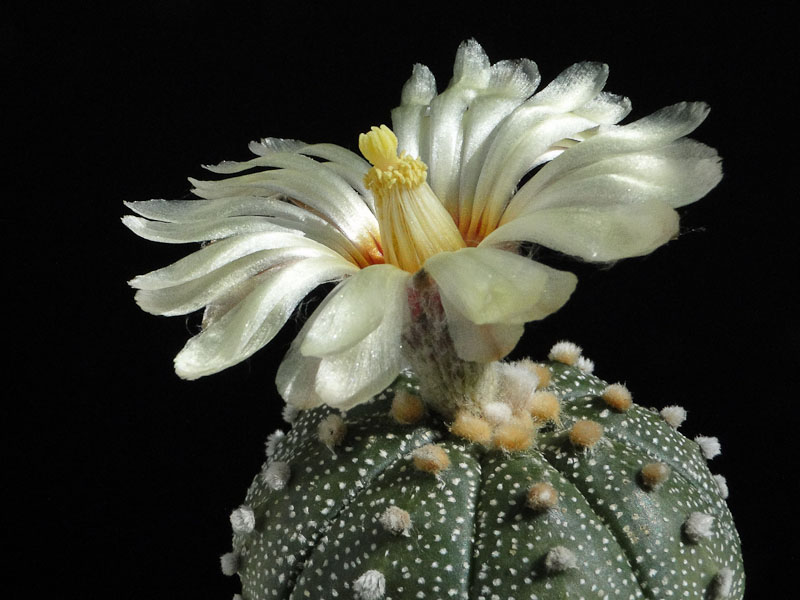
(470, 174)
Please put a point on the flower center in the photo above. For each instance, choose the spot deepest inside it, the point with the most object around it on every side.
(413, 223)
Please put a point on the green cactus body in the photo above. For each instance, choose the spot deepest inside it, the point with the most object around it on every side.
(471, 533)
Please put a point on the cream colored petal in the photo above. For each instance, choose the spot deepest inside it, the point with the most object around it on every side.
(192, 295)
(598, 233)
(658, 129)
(355, 374)
(219, 254)
(410, 121)
(491, 286)
(201, 231)
(253, 322)
(354, 309)
(480, 343)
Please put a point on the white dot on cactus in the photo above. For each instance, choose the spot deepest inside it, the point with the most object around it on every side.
(243, 520)
(710, 446)
(272, 442)
(565, 352)
(497, 412)
(370, 586)
(698, 527)
(229, 563)
(721, 585)
(396, 520)
(585, 364)
(277, 475)
(674, 415)
(559, 559)
(722, 484)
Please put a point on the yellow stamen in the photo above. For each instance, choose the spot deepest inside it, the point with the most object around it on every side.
(414, 225)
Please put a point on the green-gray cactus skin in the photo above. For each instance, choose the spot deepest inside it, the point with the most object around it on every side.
(472, 535)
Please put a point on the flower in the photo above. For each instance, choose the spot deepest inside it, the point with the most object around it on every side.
(459, 181)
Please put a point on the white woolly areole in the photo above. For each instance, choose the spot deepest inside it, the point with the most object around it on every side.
(272, 442)
(722, 484)
(518, 383)
(497, 412)
(565, 352)
(674, 415)
(277, 475)
(289, 413)
(237, 597)
(229, 563)
(721, 584)
(710, 446)
(332, 430)
(370, 586)
(243, 520)
(698, 527)
(585, 364)
(559, 559)
(396, 520)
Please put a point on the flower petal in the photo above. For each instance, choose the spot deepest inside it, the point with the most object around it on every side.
(653, 131)
(219, 254)
(202, 231)
(354, 309)
(409, 120)
(597, 233)
(480, 343)
(364, 366)
(255, 320)
(490, 286)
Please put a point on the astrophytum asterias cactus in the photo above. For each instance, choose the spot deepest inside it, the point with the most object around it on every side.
(609, 501)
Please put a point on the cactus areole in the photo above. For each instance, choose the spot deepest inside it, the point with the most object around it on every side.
(556, 520)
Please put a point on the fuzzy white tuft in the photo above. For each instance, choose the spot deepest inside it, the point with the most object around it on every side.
(709, 446)
(721, 585)
(565, 352)
(243, 520)
(497, 412)
(698, 527)
(674, 415)
(585, 364)
(229, 563)
(722, 484)
(277, 475)
(332, 430)
(289, 413)
(559, 559)
(396, 520)
(370, 586)
(272, 442)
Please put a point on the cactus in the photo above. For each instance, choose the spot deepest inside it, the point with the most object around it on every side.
(633, 514)
(466, 477)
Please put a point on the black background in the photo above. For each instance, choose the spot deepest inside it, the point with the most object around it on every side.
(121, 476)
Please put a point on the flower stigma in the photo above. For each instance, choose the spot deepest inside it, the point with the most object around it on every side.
(414, 225)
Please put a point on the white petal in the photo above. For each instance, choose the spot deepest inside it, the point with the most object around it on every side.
(605, 108)
(202, 231)
(490, 286)
(192, 295)
(573, 87)
(257, 318)
(217, 255)
(599, 233)
(354, 309)
(480, 343)
(410, 120)
(658, 129)
(353, 375)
